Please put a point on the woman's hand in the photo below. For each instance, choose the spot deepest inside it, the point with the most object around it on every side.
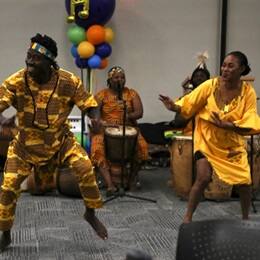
(221, 123)
(168, 103)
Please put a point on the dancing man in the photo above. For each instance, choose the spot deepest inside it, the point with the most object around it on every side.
(44, 95)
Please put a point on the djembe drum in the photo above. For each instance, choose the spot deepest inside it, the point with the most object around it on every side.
(181, 165)
(182, 175)
(66, 182)
(113, 138)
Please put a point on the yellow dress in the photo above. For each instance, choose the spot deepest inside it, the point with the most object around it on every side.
(224, 149)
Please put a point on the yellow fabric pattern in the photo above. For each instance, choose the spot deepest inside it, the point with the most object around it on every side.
(44, 139)
(224, 149)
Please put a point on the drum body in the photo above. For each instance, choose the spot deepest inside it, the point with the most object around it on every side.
(114, 142)
(36, 185)
(118, 146)
(181, 165)
(217, 189)
(66, 182)
(182, 176)
(255, 144)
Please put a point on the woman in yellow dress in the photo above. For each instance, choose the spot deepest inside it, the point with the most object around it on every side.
(225, 109)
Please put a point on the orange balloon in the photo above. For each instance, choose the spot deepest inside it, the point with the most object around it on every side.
(104, 63)
(85, 49)
(109, 35)
(96, 34)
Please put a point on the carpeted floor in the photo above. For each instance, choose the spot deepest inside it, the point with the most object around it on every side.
(51, 227)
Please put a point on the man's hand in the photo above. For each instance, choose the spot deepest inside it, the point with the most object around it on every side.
(95, 125)
(8, 121)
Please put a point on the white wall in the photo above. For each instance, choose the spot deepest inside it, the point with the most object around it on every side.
(244, 34)
(156, 41)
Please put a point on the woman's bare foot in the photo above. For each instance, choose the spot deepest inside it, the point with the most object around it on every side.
(94, 222)
(5, 240)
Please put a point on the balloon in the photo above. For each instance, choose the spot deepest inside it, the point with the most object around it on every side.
(109, 35)
(103, 50)
(94, 62)
(96, 34)
(103, 64)
(100, 12)
(76, 34)
(85, 49)
(81, 63)
(74, 51)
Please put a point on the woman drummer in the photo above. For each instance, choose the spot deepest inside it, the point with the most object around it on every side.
(225, 109)
(111, 101)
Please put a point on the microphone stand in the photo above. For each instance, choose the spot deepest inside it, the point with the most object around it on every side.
(121, 192)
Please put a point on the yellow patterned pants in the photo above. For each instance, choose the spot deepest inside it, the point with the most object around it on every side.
(19, 166)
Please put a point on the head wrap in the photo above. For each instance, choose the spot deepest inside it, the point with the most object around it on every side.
(202, 58)
(42, 50)
(114, 70)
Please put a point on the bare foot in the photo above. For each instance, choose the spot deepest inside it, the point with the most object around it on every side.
(186, 220)
(5, 240)
(95, 223)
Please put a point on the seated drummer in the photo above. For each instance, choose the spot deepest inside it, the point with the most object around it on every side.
(199, 75)
(111, 107)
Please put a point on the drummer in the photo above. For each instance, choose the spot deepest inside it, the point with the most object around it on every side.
(110, 100)
(198, 76)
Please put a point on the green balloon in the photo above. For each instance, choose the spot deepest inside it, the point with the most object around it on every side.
(76, 34)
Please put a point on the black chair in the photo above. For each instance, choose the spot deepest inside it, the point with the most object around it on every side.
(219, 240)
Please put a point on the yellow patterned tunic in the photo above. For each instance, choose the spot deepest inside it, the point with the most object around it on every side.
(224, 149)
(44, 139)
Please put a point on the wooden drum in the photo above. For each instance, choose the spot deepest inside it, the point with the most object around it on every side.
(217, 189)
(181, 165)
(114, 143)
(66, 182)
(182, 179)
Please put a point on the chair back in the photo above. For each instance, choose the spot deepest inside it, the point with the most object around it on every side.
(219, 239)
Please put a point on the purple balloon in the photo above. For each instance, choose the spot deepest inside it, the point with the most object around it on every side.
(103, 50)
(81, 63)
(100, 12)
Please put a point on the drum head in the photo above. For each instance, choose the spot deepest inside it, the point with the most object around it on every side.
(118, 131)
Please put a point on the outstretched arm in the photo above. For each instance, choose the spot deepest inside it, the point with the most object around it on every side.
(169, 104)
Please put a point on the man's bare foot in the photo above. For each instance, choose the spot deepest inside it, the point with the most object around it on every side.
(186, 220)
(95, 223)
(5, 240)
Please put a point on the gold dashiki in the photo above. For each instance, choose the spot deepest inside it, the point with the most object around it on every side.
(224, 149)
(44, 140)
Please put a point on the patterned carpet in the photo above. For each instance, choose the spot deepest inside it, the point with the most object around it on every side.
(51, 227)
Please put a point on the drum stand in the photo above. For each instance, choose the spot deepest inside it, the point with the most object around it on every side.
(121, 192)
